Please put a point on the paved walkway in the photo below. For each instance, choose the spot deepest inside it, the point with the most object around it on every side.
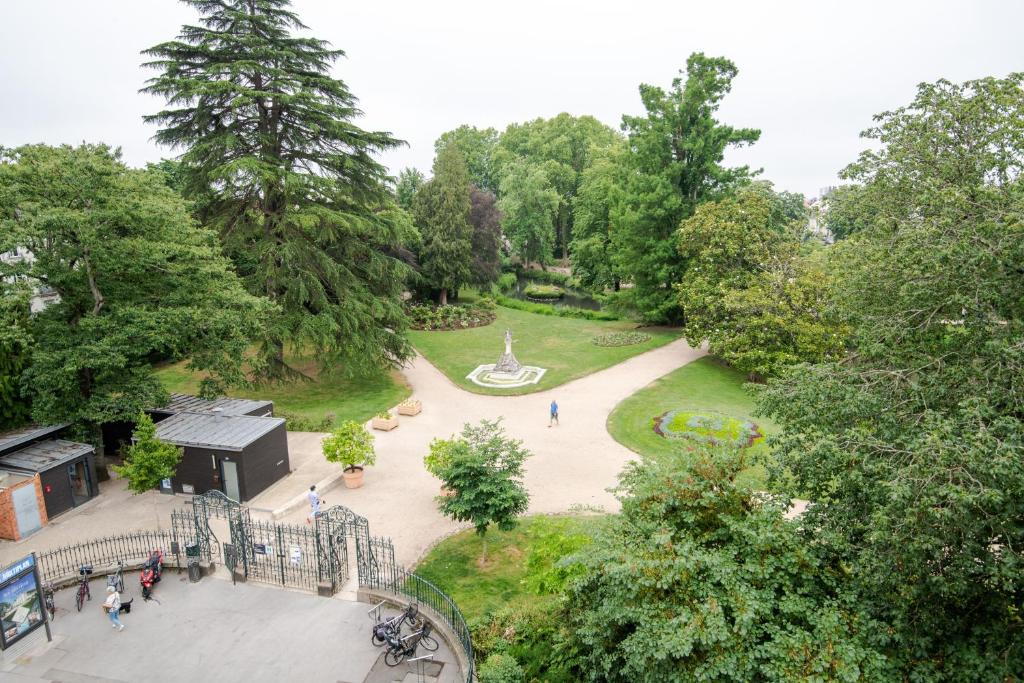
(573, 464)
(214, 631)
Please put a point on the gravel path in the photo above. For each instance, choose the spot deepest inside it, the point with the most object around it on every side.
(573, 463)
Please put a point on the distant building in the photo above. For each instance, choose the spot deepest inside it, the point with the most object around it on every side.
(42, 296)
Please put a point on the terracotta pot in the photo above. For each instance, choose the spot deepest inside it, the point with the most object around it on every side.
(353, 478)
(385, 425)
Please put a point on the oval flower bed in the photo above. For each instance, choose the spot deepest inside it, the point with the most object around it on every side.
(707, 427)
(448, 317)
(621, 338)
(543, 292)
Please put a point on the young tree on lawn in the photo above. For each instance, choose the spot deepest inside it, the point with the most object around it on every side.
(675, 158)
(484, 216)
(484, 471)
(442, 210)
(529, 206)
(137, 281)
(409, 181)
(148, 460)
(711, 577)
(275, 163)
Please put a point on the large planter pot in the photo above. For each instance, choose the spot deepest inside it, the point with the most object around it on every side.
(385, 425)
(410, 407)
(353, 478)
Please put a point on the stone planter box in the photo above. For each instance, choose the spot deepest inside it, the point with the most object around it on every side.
(385, 425)
(411, 407)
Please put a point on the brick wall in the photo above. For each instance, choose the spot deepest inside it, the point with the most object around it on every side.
(8, 521)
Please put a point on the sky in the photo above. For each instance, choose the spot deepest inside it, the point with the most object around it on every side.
(811, 74)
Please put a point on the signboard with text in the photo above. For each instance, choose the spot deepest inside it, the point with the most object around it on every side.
(21, 610)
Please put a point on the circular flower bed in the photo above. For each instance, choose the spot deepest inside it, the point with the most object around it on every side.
(707, 427)
(621, 338)
(427, 317)
(543, 292)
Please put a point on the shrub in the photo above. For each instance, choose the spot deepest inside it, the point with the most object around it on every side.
(350, 445)
(621, 338)
(561, 312)
(545, 292)
(533, 635)
(301, 423)
(506, 282)
(501, 668)
(550, 277)
(439, 457)
(549, 565)
(450, 317)
(384, 415)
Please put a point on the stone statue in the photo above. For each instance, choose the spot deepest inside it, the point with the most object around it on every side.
(508, 364)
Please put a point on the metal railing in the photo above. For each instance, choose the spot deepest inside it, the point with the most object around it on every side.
(397, 580)
(105, 552)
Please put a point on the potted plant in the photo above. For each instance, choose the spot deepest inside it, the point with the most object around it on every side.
(410, 406)
(385, 421)
(439, 458)
(351, 446)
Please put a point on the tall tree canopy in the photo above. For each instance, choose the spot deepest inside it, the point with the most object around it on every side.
(477, 148)
(675, 159)
(15, 345)
(484, 216)
(137, 282)
(530, 207)
(911, 447)
(442, 211)
(409, 181)
(592, 248)
(281, 171)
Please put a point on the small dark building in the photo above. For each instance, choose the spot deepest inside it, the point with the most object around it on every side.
(240, 455)
(66, 468)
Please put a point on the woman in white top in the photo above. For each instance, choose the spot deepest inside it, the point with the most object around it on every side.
(112, 606)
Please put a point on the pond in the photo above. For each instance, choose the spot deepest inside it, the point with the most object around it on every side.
(573, 298)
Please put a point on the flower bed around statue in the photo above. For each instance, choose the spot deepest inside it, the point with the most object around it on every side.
(429, 317)
(621, 339)
(538, 292)
(707, 427)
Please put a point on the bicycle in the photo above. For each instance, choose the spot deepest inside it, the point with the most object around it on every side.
(48, 599)
(393, 626)
(117, 578)
(400, 648)
(83, 593)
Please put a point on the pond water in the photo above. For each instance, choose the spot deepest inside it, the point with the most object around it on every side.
(573, 298)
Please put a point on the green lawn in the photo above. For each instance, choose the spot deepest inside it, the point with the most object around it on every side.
(356, 399)
(703, 385)
(562, 345)
(452, 564)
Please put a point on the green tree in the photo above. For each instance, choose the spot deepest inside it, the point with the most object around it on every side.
(477, 148)
(15, 348)
(910, 447)
(675, 159)
(529, 206)
(845, 211)
(701, 579)
(747, 292)
(350, 445)
(148, 460)
(484, 471)
(137, 282)
(592, 262)
(409, 181)
(442, 211)
(484, 216)
(277, 166)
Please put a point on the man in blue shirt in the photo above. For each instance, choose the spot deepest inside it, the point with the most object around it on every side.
(554, 413)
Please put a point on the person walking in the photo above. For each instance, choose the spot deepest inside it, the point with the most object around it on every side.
(553, 419)
(112, 606)
(314, 504)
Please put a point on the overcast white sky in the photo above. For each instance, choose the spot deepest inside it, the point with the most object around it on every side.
(811, 74)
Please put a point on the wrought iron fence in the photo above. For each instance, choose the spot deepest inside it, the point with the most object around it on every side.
(105, 552)
(281, 553)
(395, 579)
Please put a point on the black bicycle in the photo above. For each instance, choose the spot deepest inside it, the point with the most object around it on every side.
(83, 586)
(393, 626)
(48, 599)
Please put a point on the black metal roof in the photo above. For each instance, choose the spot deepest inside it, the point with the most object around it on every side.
(16, 438)
(45, 455)
(183, 403)
(222, 432)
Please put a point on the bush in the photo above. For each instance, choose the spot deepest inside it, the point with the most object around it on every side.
(535, 291)
(621, 338)
(300, 423)
(549, 564)
(501, 668)
(450, 317)
(506, 282)
(533, 636)
(550, 277)
(561, 312)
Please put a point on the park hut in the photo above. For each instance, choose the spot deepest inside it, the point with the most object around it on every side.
(240, 455)
(66, 469)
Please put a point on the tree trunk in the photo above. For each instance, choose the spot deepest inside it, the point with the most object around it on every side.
(617, 284)
(442, 298)
(483, 549)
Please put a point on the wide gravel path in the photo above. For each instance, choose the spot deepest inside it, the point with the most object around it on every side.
(573, 463)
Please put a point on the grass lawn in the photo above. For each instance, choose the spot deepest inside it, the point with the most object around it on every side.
(452, 564)
(562, 345)
(356, 399)
(703, 385)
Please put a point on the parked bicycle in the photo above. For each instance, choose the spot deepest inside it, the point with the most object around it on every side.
(84, 572)
(117, 578)
(388, 630)
(48, 599)
(400, 648)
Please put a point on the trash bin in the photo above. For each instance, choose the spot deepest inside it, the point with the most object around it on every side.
(194, 571)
